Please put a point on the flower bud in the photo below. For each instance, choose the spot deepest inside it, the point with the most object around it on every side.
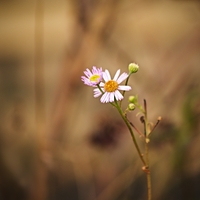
(133, 68)
(131, 106)
(132, 99)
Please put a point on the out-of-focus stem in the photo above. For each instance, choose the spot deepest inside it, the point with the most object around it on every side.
(147, 170)
(38, 189)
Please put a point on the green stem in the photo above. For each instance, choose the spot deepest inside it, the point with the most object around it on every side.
(131, 132)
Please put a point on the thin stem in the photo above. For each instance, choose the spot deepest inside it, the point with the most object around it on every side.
(138, 131)
(159, 119)
(146, 131)
(148, 175)
(100, 88)
(131, 132)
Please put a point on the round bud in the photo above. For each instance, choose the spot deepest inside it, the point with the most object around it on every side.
(133, 68)
(132, 99)
(131, 106)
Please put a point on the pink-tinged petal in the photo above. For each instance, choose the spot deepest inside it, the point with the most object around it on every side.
(94, 70)
(86, 81)
(100, 70)
(122, 77)
(118, 95)
(88, 73)
(83, 78)
(106, 75)
(124, 87)
(116, 75)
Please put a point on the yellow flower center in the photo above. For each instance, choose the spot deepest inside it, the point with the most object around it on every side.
(95, 78)
(111, 86)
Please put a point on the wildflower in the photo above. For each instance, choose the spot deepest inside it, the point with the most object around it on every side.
(92, 78)
(111, 87)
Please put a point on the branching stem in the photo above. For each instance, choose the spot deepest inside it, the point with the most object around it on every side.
(131, 132)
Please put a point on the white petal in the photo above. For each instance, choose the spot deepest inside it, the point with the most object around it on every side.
(103, 98)
(112, 97)
(116, 75)
(97, 95)
(118, 95)
(106, 75)
(101, 84)
(122, 77)
(97, 92)
(107, 97)
(124, 87)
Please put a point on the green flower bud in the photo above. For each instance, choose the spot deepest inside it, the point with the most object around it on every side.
(131, 106)
(132, 99)
(133, 68)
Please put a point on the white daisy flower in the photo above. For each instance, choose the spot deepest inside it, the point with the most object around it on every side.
(111, 87)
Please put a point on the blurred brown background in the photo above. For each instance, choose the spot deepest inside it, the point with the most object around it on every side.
(59, 143)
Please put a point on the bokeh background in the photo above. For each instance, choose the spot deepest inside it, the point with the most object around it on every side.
(59, 143)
